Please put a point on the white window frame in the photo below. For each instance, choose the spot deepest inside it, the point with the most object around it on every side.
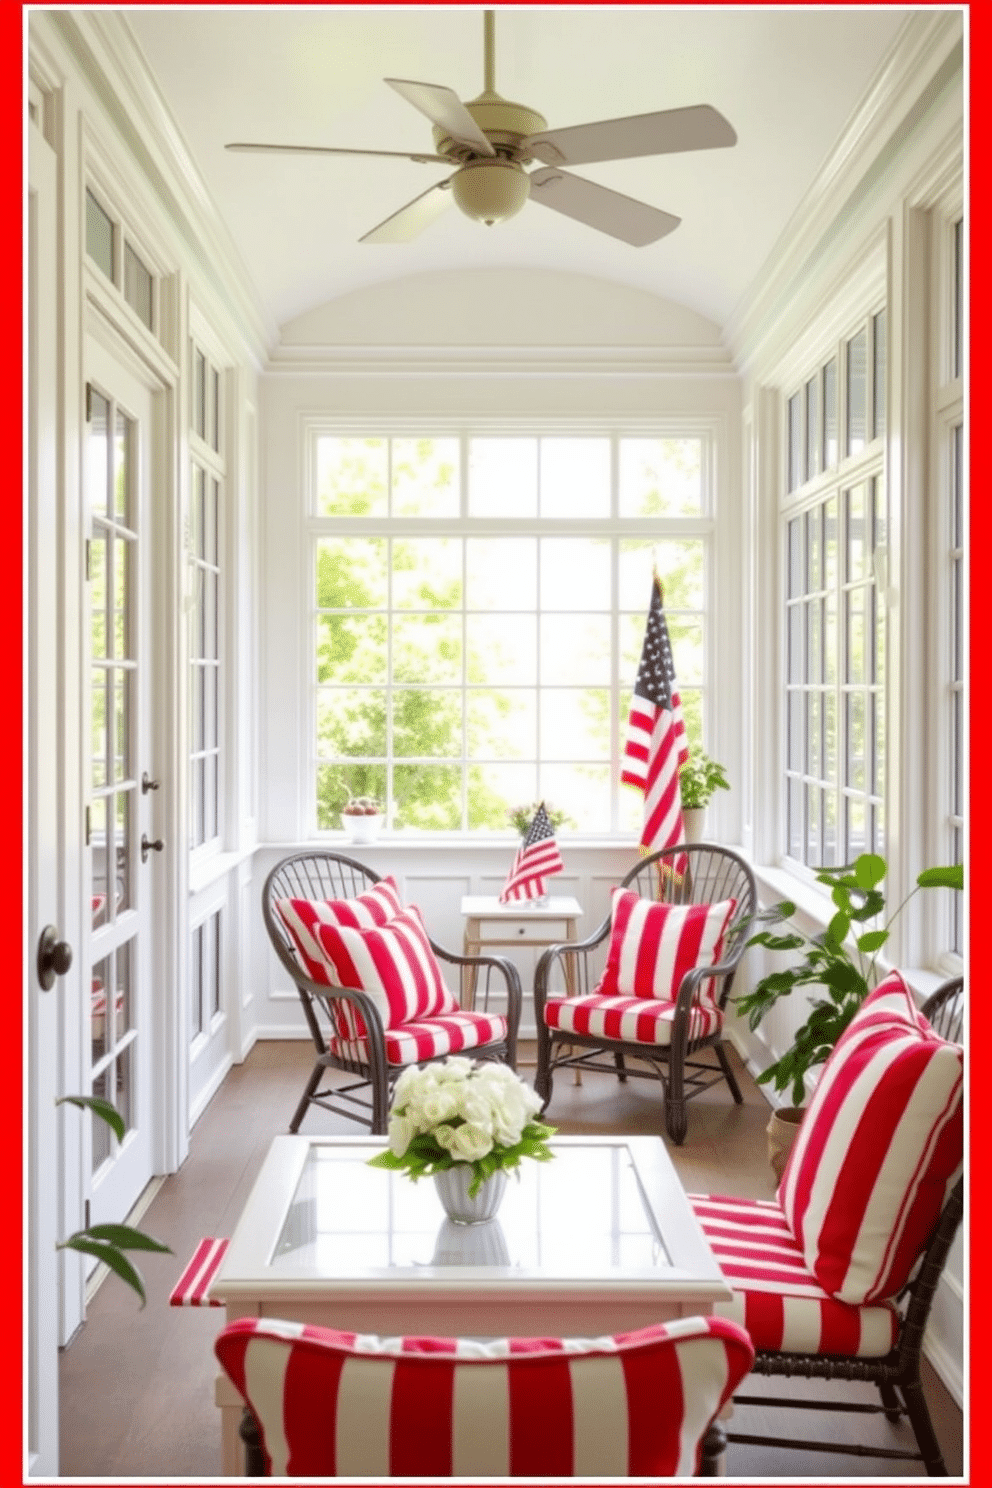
(709, 430)
(207, 460)
(948, 400)
(818, 482)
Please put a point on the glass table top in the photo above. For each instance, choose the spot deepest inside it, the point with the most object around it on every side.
(584, 1214)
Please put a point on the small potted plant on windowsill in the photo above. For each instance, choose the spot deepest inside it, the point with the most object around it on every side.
(699, 777)
(846, 970)
(362, 818)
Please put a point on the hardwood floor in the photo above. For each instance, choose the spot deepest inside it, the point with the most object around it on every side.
(136, 1387)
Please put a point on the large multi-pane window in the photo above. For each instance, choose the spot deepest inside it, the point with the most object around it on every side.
(835, 543)
(479, 611)
(207, 482)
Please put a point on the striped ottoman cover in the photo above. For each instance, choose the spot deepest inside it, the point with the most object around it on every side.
(193, 1287)
(333, 1404)
(776, 1298)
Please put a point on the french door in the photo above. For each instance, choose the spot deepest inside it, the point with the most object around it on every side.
(124, 850)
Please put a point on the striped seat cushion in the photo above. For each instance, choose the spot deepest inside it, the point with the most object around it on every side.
(631, 1019)
(193, 1287)
(335, 1404)
(429, 1038)
(653, 945)
(880, 1146)
(776, 1298)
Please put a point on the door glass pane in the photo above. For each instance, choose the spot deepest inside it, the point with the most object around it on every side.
(98, 859)
(123, 468)
(100, 991)
(98, 717)
(98, 593)
(121, 750)
(123, 857)
(125, 1102)
(123, 1020)
(98, 453)
(102, 1136)
(121, 632)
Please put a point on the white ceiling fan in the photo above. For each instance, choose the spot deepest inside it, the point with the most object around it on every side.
(491, 140)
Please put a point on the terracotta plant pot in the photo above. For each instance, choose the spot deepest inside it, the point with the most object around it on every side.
(783, 1126)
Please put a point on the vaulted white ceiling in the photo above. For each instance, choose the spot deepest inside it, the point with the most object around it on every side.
(787, 79)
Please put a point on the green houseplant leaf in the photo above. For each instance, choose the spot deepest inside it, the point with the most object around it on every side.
(846, 972)
(108, 1242)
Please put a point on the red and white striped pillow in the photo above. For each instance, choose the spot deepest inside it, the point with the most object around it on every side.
(333, 1404)
(376, 906)
(393, 963)
(653, 945)
(878, 1149)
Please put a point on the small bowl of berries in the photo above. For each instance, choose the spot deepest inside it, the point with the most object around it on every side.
(362, 819)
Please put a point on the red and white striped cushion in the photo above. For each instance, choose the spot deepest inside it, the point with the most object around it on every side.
(376, 906)
(335, 1404)
(632, 1019)
(429, 1038)
(653, 945)
(878, 1149)
(394, 964)
(776, 1298)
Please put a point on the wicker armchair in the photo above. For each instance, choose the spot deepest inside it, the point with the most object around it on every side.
(893, 1367)
(334, 1013)
(693, 874)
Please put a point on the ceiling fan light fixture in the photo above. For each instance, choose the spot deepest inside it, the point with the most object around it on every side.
(491, 190)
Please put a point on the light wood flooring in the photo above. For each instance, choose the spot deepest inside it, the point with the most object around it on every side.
(136, 1387)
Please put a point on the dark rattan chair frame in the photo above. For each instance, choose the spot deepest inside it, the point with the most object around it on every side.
(897, 1375)
(330, 875)
(712, 873)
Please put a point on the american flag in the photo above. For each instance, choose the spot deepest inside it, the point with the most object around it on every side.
(537, 858)
(656, 739)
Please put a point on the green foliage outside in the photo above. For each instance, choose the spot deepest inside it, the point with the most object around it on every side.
(354, 726)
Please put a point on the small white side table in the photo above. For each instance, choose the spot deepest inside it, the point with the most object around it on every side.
(524, 923)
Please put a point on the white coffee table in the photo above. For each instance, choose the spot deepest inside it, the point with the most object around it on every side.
(600, 1240)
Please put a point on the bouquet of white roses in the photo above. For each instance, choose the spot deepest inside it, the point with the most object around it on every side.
(460, 1112)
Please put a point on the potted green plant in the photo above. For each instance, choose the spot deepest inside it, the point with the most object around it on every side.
(843, 963)
(699, 777)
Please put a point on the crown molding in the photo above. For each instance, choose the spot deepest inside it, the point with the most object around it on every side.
(923, 62)
(440, 361)
(109, 61)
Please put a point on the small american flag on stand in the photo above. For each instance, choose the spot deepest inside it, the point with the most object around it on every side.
(537, 858)
(656, 739)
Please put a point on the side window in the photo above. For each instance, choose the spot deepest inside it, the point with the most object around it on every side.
(834, 534)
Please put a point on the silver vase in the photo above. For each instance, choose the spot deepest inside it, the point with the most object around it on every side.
(453, 1186)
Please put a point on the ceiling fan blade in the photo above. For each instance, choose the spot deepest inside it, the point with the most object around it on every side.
(335, 150)
(445, 109)
(403, 226)
(608, 211)
(699, 127)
